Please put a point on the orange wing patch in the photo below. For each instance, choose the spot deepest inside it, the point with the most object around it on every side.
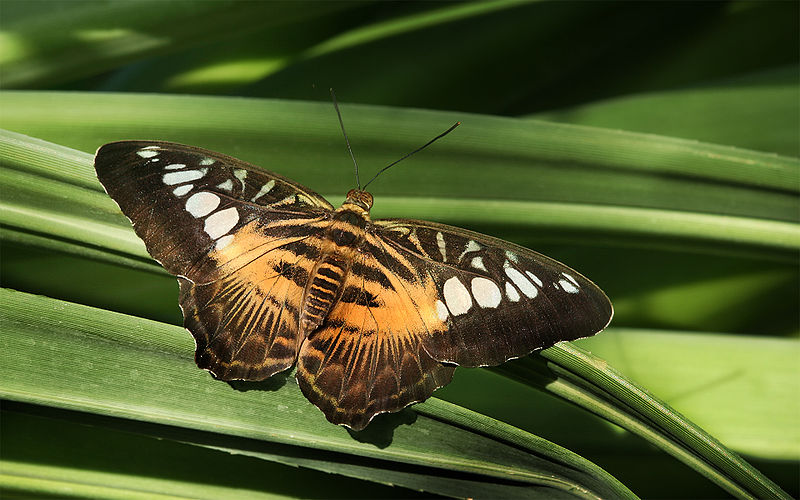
(244, 317)
(367, 358)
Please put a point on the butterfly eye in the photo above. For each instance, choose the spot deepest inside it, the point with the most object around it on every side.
(361, 198)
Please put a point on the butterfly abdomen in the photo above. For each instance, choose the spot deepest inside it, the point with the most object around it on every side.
(322, 292)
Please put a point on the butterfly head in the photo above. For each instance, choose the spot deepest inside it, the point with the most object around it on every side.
(360, 199)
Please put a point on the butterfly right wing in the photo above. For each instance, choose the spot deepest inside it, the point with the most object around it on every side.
(236, 236)
(495, 300)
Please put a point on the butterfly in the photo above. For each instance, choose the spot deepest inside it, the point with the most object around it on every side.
(376, 314)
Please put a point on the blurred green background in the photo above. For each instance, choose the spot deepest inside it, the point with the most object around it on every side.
(653, 146)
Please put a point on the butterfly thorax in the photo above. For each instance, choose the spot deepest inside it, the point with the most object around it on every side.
(338, 250)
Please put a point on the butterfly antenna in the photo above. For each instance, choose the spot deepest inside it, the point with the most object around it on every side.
(411, 153)
(346, 140)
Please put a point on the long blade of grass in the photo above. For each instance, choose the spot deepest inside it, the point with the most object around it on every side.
(720, 112)
(49, 452)
(585, 380)
(132, 368)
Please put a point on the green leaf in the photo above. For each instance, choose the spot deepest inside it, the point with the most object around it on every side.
(659, 425)
(685, 237)
(591, 383)
(726, 384)
(758, 111)
(131, 368)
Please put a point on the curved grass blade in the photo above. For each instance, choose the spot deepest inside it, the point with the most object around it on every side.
(272, 51)
(125, 367)
(31, 204)
(719, 112)
(577, 376)
(298, 135)
(55, 453)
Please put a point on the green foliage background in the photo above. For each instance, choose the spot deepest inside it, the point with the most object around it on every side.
(652, 146)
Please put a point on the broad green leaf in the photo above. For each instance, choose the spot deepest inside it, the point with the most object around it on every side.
(592, 383)
(51, 453)
(542, 161)
(726, 384)
(759, 111)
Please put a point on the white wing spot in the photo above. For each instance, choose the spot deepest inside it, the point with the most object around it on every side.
(150, 147)
(219, 223)
(534, 278)
(441, 310)
(241, 175)
(457, 296)
(172, 178)
(154, 160)
(440, 243)
(522, 282)
(266, 188)
(182, 190)
(175, 166)
(512, 256)
(147, 153)
(571, 279)
(477, 263)
(207, 161)
(227, 185)
(201, 204)
(223, 242)
(471, 247)
(568, 287)
(486, 293)
(513, 294)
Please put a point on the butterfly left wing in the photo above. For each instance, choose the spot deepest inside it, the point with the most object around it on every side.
(426, 296)
(238, 238)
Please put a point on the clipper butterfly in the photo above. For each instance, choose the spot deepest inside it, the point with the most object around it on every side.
(374, 313)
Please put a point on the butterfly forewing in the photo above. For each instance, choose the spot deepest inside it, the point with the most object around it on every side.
(375, 313)
(234, 233)
(185, 202)
(495, 300)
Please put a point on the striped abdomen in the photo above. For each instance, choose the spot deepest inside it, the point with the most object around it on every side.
(322, 292)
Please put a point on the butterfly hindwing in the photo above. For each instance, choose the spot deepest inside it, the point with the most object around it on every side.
(234, 234)
(367, 358)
